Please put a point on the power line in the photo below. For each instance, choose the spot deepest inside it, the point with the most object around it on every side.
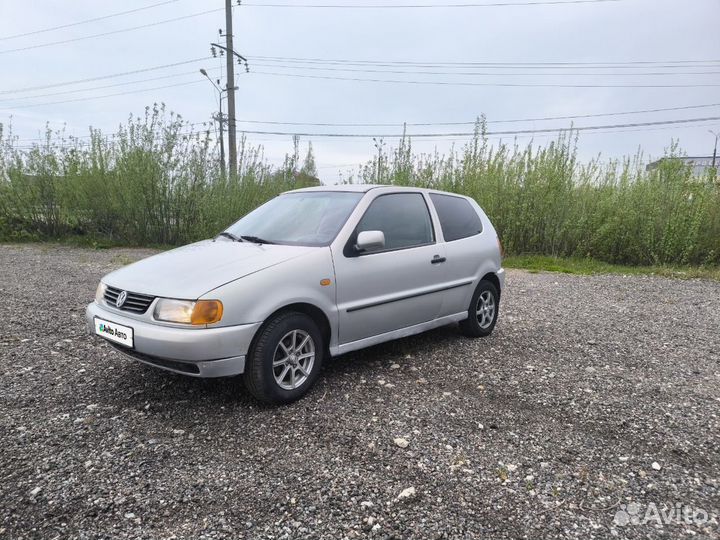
(479, 68)
(485, 74)
(655, 128)
(443, 83)
(451, 138)
(103, 77)
(550, 133)
(427, 124)
(109, 33)
(187, 73)
(468, 134)
(591, 130)
(598, 115)
(28, 105)
(323, 69)
(106, 138)
(460, 139)
(487, 84)
(72, 143)
(195, 60)
(508, 121)
(115, 85)
(596, 64)
(86, 21)
(555, 134)
(422, 6)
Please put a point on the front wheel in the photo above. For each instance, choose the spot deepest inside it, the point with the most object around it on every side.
(483, 311)
(285, 359)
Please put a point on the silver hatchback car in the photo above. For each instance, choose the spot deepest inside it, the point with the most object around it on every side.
(311, 273)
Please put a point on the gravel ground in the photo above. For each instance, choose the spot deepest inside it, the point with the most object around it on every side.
(595, 396)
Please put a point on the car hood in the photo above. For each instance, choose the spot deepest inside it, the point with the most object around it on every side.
(193, 270)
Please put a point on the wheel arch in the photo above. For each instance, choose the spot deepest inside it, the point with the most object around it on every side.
(494, 279)
(315, 313)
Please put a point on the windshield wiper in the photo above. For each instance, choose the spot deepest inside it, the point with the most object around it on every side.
(256, 239)
(231, 236)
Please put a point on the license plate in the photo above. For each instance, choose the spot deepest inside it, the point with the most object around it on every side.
(114, 332)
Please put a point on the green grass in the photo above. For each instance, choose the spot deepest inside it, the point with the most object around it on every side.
(586, 266)
(96, 242)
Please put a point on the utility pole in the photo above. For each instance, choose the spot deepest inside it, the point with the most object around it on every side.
(717, 135)
(230, 84)
(232, 142)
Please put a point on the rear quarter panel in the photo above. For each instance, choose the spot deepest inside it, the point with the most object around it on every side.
(470, 259)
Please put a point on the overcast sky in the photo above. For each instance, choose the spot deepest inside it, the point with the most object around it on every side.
(661, 31)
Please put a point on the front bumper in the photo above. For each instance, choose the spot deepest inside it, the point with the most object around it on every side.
(198, 352)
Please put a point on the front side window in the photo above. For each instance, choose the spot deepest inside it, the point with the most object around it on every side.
(305, 218)
(403, 218)
(458, 218)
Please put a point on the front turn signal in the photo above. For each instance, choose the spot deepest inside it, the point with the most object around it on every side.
(206, 312)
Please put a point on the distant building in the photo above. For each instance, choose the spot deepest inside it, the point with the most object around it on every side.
(700, 164)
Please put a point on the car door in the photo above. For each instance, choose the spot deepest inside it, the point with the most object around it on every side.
(396, 286)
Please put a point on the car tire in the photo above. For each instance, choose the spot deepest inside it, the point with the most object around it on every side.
(279, 367)
(483, 311)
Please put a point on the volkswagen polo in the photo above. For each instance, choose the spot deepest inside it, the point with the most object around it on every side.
(312, 273)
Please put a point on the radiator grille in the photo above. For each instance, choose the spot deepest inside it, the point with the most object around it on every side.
(135, 302)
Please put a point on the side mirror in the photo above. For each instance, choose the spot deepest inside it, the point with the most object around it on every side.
(370, 240)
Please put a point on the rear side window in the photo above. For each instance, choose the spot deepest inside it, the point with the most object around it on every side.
(458, 218)
(403, 218)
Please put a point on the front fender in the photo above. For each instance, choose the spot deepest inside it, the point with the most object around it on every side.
(255, 297)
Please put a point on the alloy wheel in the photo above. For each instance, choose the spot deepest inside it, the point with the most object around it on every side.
(485, 309)
(293, 359)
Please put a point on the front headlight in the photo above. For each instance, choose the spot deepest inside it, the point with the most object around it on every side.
(100, 292)
(188, 312)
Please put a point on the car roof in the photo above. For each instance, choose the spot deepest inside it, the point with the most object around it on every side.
(364, 188)
(353, 188)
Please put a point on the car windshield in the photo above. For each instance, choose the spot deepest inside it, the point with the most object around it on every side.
(308, 218)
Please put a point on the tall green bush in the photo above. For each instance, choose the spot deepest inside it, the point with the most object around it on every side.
(156, 180)
(542, 200)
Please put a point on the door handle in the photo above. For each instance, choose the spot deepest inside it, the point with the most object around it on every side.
(437, 259)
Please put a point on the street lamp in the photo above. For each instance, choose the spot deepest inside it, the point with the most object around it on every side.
(219, 119)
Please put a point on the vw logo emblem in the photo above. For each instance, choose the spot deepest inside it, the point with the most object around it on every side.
(121, 299)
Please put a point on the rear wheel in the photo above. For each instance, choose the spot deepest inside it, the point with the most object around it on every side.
(285, 359)
(483, 311)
